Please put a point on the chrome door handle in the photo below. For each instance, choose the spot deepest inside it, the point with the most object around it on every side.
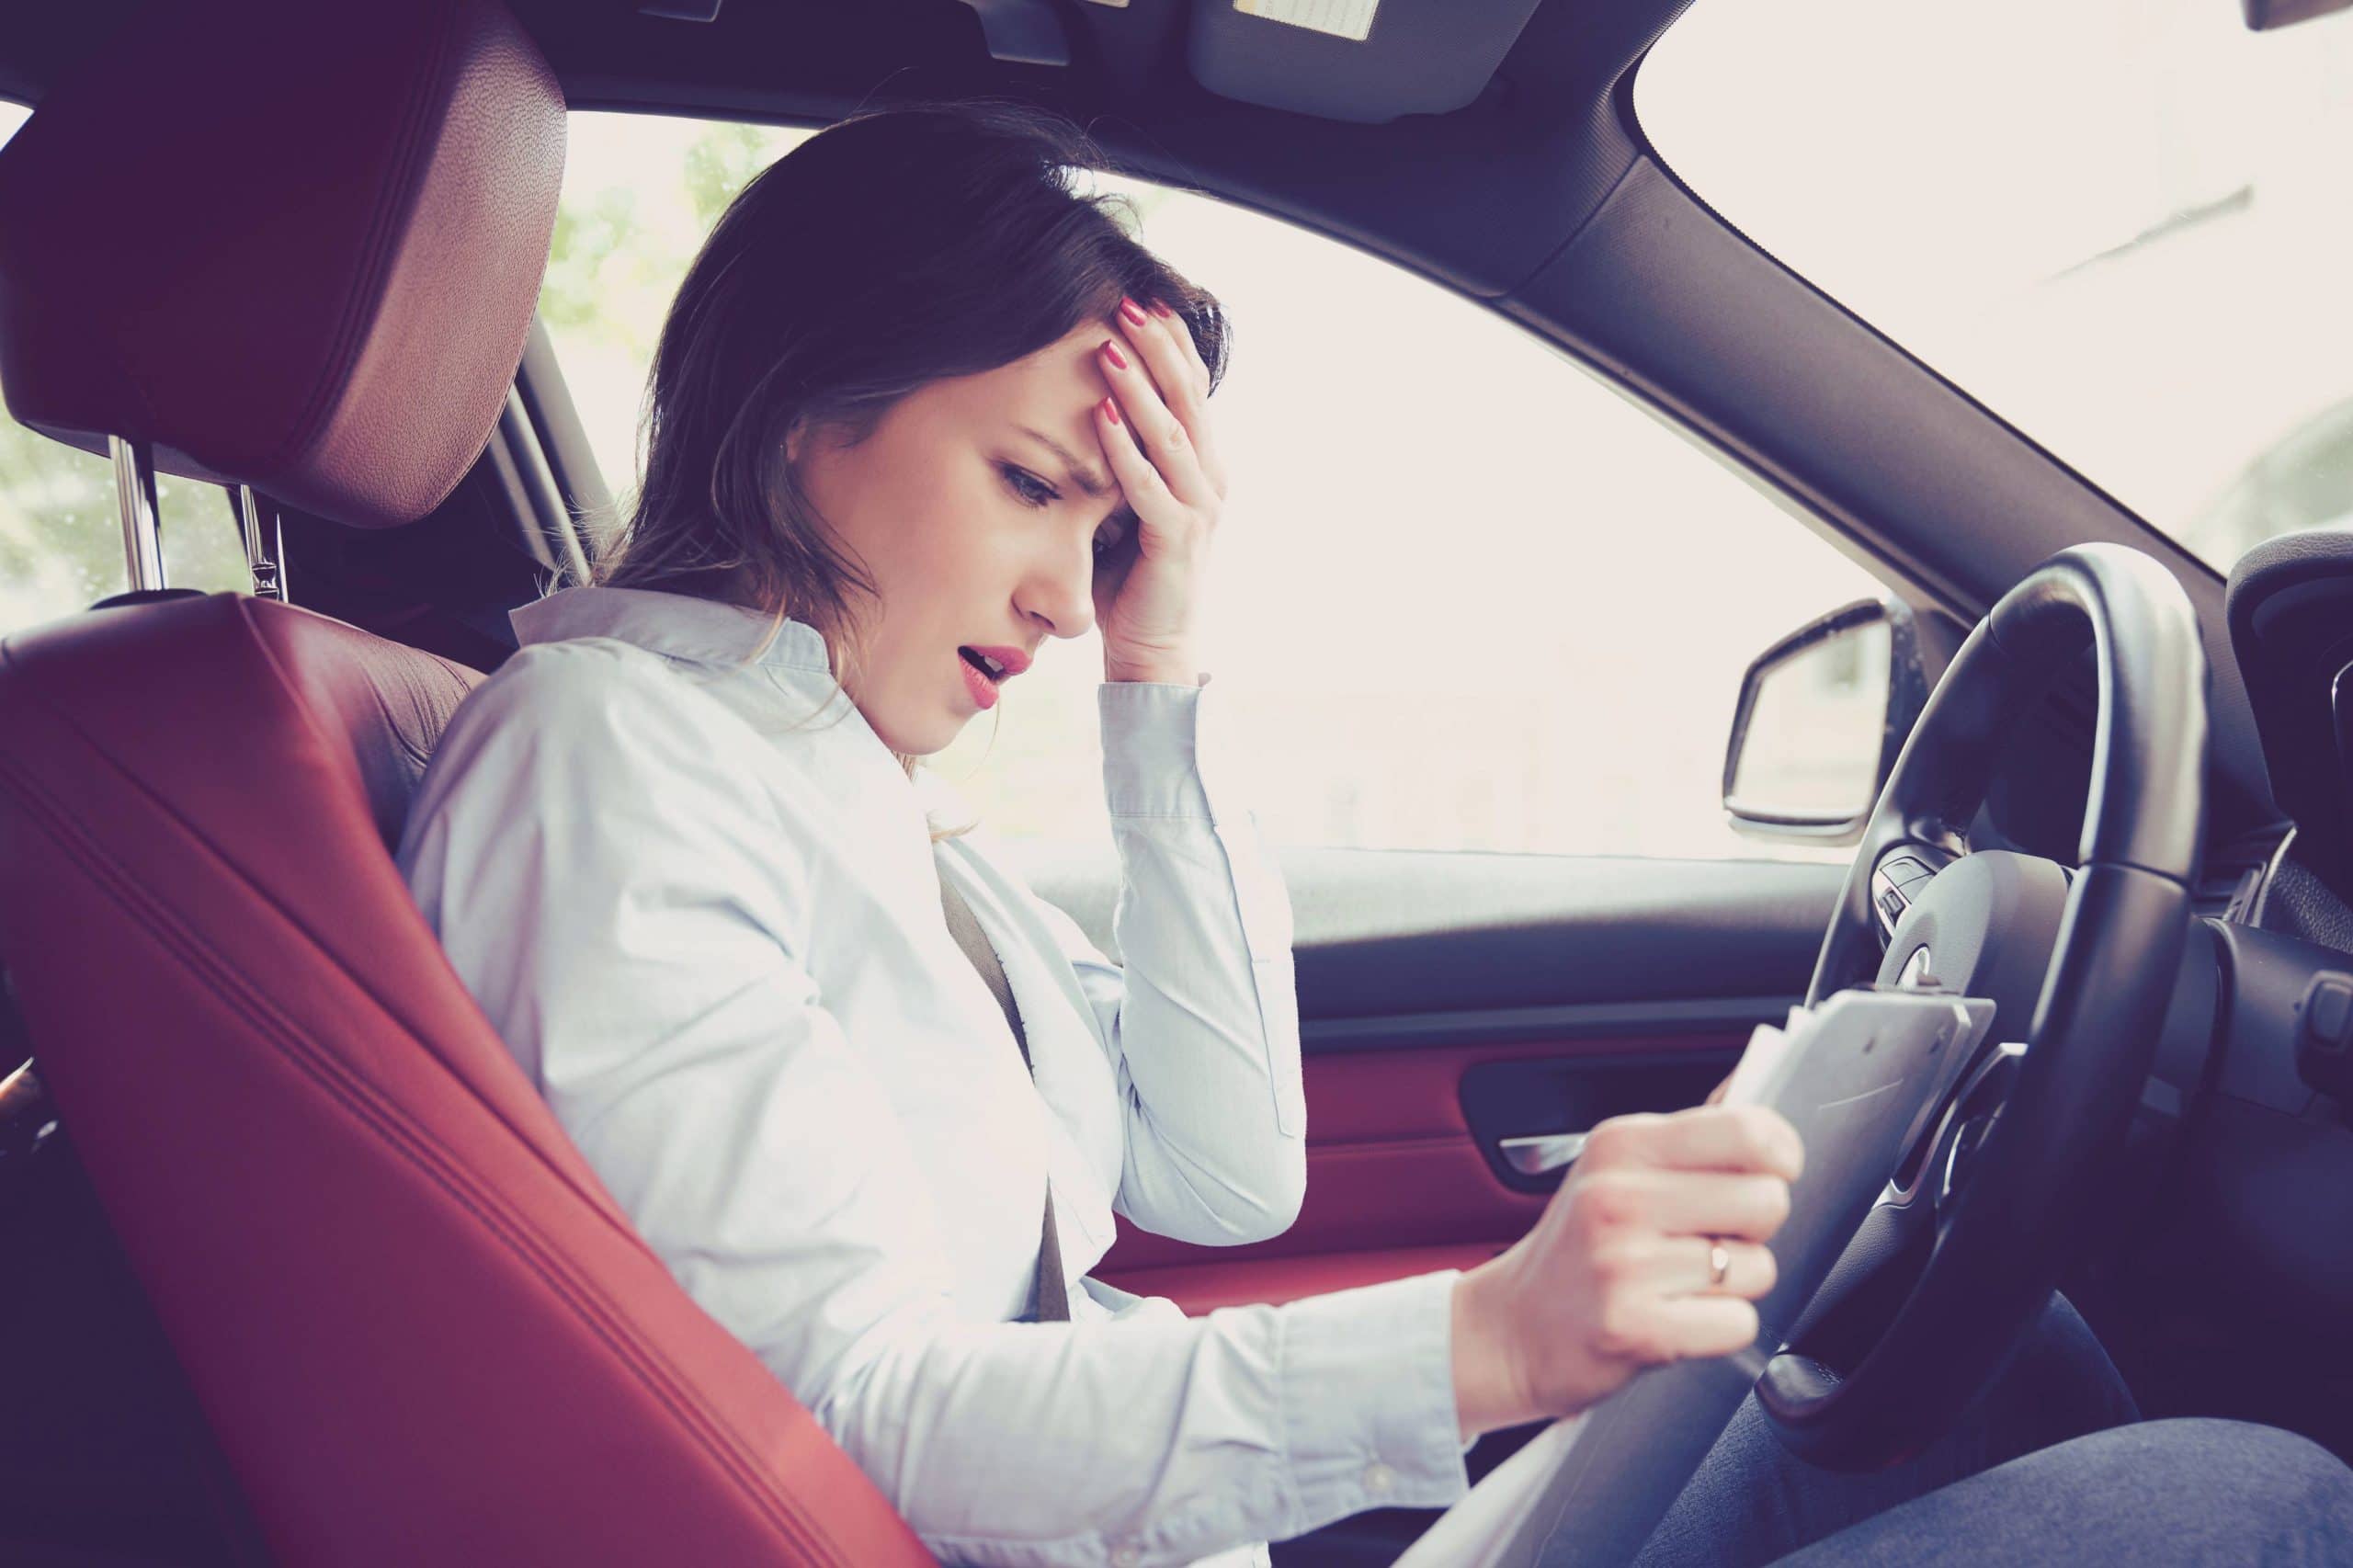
(1545, 1151)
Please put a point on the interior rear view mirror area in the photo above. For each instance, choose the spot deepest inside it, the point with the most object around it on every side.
(1821, 718)
(2264, 16)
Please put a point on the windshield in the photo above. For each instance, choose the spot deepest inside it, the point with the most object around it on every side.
(2126, 226)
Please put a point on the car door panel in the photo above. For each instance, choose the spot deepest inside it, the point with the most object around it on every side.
(1613, 999)
(1398, 1180)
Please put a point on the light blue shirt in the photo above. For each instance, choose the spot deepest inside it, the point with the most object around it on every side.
(697, 896)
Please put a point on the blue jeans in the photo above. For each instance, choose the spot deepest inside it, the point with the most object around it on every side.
(2053, 1464)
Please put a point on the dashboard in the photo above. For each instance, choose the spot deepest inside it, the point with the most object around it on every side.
(2238, 1271)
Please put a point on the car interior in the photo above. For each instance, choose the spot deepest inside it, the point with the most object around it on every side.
(298, 1267)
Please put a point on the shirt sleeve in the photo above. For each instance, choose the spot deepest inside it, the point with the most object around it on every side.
(612, 891)
(1202, 1016)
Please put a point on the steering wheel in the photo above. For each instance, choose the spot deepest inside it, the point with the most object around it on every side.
(2004, 1186)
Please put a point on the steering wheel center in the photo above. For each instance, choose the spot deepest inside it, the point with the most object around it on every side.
(1989, 923)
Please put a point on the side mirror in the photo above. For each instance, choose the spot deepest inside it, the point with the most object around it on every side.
(1822, 715)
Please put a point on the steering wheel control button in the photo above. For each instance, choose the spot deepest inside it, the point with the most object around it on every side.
(1975, 1112)
(1903, 871)
(1895, 884)
(1889, 901)
(2328, 1008)
(1965, 1144)
(2325, 1033)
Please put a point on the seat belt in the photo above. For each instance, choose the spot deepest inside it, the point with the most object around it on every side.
(1049, 1295)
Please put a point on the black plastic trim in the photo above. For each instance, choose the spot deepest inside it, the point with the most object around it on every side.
(1419, 1032)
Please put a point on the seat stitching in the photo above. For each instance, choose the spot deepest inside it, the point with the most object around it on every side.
(427, 1155)
(333, 742)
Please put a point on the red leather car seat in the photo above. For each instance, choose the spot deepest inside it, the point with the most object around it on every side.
(297, 245)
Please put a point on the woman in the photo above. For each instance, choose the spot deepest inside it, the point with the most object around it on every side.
(918, 408)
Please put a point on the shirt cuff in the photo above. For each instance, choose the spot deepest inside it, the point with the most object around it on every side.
(1364, 1437)
(1151, 761)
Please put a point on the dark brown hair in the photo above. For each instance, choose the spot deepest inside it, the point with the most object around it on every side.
(893, 249)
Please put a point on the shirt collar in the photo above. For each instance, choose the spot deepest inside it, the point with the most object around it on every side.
(687, 626)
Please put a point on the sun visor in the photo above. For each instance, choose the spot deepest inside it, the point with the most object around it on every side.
(1358, 60)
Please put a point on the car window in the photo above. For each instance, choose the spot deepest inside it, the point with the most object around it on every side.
(1466, 596)
(60, 537)
(2120, 224)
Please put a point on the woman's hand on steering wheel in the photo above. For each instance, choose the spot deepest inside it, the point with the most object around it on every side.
(1652, 1251)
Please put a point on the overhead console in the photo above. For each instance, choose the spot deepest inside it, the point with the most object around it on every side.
(1359, 60)
(1367, 60)
(2290, 607)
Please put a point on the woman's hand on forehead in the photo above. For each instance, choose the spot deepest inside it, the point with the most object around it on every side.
(1155, 432)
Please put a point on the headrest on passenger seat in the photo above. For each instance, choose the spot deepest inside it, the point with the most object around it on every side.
(294, 244)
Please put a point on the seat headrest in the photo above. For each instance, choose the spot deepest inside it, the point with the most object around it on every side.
(293, 245)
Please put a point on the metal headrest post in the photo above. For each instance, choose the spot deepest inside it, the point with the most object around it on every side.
(265, 557)
(135, 499)
(142, 545)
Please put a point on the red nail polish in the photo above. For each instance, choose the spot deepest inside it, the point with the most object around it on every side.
(1112, 351)
(1160, 308)
(1130, 310)
(1111, 408)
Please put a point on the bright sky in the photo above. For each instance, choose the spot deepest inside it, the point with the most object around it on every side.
(1972, 180)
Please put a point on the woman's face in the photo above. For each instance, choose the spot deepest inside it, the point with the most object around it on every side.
(975, 530)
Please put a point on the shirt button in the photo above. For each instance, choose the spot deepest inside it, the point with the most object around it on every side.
(1127, 1556)
(1379, 1478)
